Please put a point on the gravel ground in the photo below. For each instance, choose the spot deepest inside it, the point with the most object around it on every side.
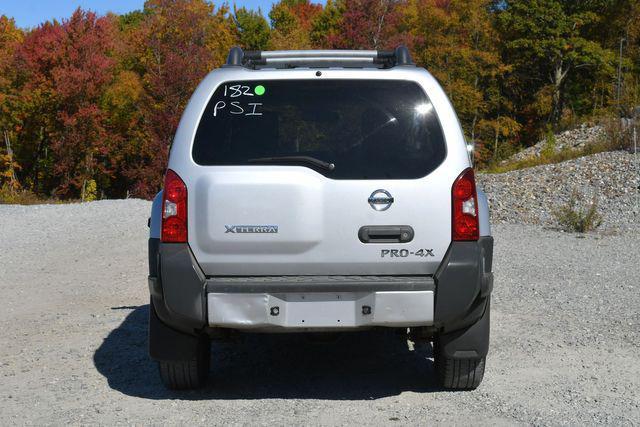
(531, 195)
(564, 346)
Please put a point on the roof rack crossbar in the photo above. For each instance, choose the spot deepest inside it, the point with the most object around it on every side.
(319, 59)
(290, 58)
(295, 54)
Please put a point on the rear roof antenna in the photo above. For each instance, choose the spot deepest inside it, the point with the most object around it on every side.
(236, 55)
(403, 57)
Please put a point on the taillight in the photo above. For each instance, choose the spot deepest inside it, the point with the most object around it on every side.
(465, 225)
(174, 209)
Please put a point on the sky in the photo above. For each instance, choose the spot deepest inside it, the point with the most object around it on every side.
(30, 13)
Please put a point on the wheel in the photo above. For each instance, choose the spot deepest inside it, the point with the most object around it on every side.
(183, 359)
(458, 374)
(186, 375)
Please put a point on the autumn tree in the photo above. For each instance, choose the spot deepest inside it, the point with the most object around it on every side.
(291, 22)
(176, 45)
(370, 24)
(64, 70)
(10, 38)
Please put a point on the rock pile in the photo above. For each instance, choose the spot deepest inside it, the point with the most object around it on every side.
(531, 195)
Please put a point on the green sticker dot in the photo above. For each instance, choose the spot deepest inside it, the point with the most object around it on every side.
(259, 90)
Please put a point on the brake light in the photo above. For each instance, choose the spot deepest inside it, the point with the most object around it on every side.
(174, 209)
(465, 224)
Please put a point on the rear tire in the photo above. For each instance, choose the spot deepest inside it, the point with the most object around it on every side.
(458, 374)
(185, 375)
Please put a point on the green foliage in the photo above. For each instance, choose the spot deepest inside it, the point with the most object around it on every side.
(578, 218)
(326, 25)
(549, 147)
(282, 18)
(253, 29)
(90, 191)
(8, 168)
(549, 44)
(551, 156)
(131, 20)
(555, 157)
(10, 196)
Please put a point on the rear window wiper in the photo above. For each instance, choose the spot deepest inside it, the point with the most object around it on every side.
(295, 159)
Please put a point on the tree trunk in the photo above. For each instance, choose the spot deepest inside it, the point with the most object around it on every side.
(475, 114)
(495, 142)
(559, 74)
(12, 172)
(384, 5)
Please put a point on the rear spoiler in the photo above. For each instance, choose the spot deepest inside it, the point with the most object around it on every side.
(319, 58)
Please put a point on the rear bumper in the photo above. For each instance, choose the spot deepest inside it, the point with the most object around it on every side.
(186, 300)
(327, 302)
(313, 310)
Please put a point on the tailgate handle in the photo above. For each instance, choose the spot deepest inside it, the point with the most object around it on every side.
(385, 234)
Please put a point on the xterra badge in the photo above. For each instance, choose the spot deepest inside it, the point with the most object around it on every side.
(255, 229)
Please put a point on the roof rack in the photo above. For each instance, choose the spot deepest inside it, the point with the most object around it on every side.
(319, 58)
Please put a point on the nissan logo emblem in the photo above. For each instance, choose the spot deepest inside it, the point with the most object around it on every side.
(380, 200)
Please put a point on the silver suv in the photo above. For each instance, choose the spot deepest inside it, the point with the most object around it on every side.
(319, 191)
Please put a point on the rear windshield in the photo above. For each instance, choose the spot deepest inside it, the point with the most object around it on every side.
(364, 129)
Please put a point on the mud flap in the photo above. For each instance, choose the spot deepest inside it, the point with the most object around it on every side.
(167, 344)
(468, 343)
